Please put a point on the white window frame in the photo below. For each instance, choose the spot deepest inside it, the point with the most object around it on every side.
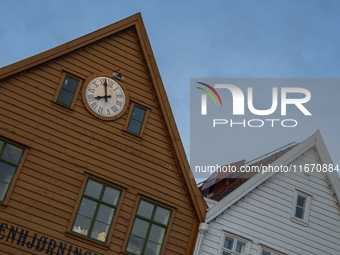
(308, 197)
(272, 252)
(236, 238)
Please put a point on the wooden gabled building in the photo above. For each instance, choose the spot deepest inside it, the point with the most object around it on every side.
(91, 162)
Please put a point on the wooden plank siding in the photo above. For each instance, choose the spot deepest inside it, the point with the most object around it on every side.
(264, 215)
(65, 144)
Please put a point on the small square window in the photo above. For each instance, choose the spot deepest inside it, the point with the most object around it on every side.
(233, 246)
(149, 229)
(67, 91)
(137, 119)
(96, 211)
(10, 157)
(301, 206)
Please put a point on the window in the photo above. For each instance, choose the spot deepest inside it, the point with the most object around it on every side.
(10, 157)
(233, 246)
(149, 229)
(67, 91)
(300, 211)
(136, 120)
(96, 211)
(267, 251)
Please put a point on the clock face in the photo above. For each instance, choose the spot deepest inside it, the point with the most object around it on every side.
(105, 98)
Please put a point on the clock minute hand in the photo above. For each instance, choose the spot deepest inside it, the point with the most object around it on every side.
(105, 85)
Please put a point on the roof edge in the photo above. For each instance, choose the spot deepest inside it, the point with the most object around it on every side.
(181, 159)
(67, 47)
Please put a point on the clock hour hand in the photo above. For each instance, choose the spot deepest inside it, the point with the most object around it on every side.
(100, 97)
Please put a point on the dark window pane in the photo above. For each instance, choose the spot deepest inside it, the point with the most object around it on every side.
(299, 212)
(145, 209)
(65, 97)
(152, 249)
(240, 247)
(140, 227)
(228, 243)
(138, 114)
(100, 231)
(3, 189)
(70, 84)
(81, 225)
(12, 153)
(134, 126)
(93, 189)
(162, 215)
(226, 253)
(87, 207)
(266, 253)
(105, 214)
(6, 172)
(135, 244)
(156, 234)
(111, 196)
(301, 201)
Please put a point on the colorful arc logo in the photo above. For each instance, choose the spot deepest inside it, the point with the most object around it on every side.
(204, 97)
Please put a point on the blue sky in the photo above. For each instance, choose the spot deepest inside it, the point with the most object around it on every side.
(193, 39)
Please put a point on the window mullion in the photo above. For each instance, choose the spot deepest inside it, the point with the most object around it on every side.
(93, 221)
(146, 238)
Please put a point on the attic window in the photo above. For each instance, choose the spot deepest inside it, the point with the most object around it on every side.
(137, 119)
(301, 207)
(67, 91)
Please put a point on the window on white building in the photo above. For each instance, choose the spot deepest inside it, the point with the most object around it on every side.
(267, 251)
(233, 245)
(301, 206)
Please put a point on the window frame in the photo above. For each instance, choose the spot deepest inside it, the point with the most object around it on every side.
(60, 85)
(89, 240)
(236, 238)
(308, 198)
(135, 216)
(272, 251)
(146, 115)
(12, 183)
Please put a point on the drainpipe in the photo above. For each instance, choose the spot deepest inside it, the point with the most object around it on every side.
(202, 229)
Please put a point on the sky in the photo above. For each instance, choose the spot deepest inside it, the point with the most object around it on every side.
(200, 39)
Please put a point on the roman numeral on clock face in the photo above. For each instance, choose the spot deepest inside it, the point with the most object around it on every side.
(114, 108)
(94, 105)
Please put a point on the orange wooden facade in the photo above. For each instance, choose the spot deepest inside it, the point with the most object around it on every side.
(65, 146)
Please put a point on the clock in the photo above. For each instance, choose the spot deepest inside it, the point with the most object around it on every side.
(105, 98)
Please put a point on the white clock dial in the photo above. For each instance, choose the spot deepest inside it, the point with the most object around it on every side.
(105, 96)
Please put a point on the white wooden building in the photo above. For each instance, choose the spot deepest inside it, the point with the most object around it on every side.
(278, 213)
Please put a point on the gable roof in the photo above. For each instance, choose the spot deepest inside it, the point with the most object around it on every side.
(161, 97)
(243, 177)
(285, 158)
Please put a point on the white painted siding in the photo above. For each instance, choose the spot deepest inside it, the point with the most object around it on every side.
(263, 216)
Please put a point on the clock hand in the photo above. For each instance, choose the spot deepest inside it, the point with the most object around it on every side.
(105, 85)
(100, 97)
